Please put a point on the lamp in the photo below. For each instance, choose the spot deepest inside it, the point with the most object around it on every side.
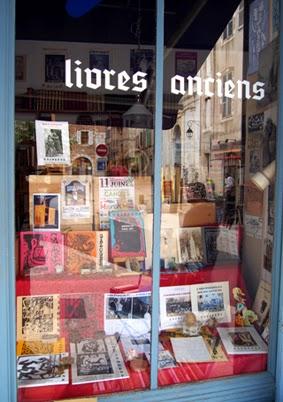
(262, 179)
(137, 116)
(190, 131)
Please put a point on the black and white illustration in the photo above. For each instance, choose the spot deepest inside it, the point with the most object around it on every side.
(35, 371)
(175, 302)
(190, 245)
(52, 142)
(37, 317)
(128, 314)
(165, 359)
(97, 360)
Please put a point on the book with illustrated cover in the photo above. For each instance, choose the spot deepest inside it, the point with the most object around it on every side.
(46, 211)
(115, 193)
(41, 253)
(52, 347)
(190, 246)
(102, 259)
(126, 234)
(37, 317)
(76, 198)
(42, 370)
(165, 359)
(97, 360)
(80, 252)
(242, 340)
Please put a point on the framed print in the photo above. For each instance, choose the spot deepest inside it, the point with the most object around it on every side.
(46, 214)
(54, 68)
(186, 63)
(99, 59)
(21, 68)
(52, 142)
(141, 60)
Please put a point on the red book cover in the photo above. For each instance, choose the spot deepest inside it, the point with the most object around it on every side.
(126, 234)
(80, 252)
(41, 253)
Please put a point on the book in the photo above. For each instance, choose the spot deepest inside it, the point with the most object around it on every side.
(222, 244)
(46, 211)
(242, 340)
(190, 246)
(102, 260)
(42, 370)
(52, 347)
(165, 359)
(80, 252)
(262, 301)
(175, 302)
(126, 234)
(52, 142)
(41, 253)
(97, 360)
(37, 317)
(115, 193)
(76, 198)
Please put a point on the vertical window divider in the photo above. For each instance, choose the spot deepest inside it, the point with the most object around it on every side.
(157, 192)
(7, 239)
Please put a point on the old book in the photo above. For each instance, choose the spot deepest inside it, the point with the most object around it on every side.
(242, 340)
(80, 252)
(41, 253)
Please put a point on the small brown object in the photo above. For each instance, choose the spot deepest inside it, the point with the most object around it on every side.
(190, 319)
(139, 364)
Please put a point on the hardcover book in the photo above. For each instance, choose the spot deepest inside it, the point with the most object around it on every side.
(80, 252)
(41, 253)
(126, 234)
(41, 370)
(97, 360)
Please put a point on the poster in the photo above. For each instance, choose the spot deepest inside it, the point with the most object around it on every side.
(52, 142)
(186, 63)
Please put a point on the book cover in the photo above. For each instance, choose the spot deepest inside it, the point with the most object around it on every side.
(80, 252)
(190, 246)
(175, 302)
(97, 360)
(52, 347)
(242, 340)
(41, 253)
(76, 198)
(115, 193)
(37, 317)
(126, 234)
(46, 211)
(41, 370)
(262, 301)
(52, 142)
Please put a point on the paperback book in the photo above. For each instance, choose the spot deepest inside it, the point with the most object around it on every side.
(97, 360)
(80, 252)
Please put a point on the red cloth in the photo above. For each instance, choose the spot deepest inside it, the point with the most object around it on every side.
(240, 364)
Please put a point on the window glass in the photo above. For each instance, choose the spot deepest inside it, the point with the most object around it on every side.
(85, 85)
(217, 222)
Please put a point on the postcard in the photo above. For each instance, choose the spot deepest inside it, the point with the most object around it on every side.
(242, 340)
(52, 142)
(175, 302)
(37, 317)
(190, 350)
(76, 198)
(97, 360)
(41, 253)
(128, 314)
(262, 301)
(211, 300)
(41, 370)
(46, 211)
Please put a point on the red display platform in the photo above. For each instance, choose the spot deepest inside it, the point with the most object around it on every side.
(240, 364)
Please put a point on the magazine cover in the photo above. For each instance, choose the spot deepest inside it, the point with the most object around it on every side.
(37, 317)
(46, 211)
(41, 370)
(52, 142)
(97, 360)
(128, 314)
(115, 193)
(76, 198)
(242, 340)
(211, 300)
(41, 253)
(80, 252)
(126, 234)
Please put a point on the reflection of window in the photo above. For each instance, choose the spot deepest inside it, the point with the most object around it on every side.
(228, 31)
(241, 15)
(207, 112)
(85, 137)
(226, 102)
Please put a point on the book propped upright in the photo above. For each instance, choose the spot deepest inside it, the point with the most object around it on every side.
(126, 235)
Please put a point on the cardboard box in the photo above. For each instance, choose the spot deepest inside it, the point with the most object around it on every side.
(197, 214)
